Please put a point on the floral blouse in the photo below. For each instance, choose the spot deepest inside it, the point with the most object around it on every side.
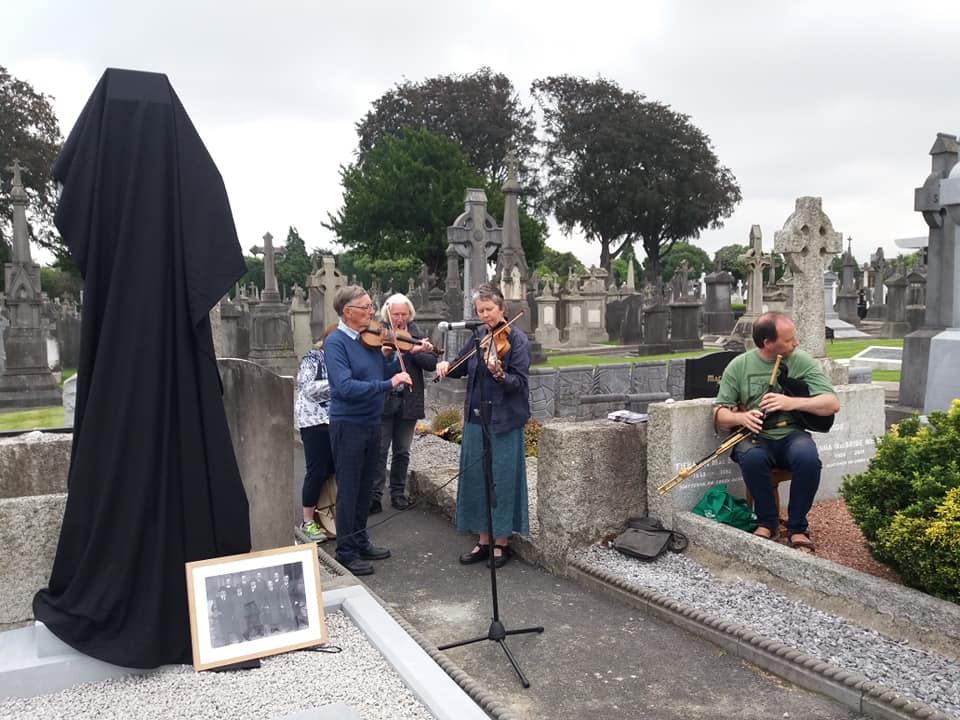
(311, 405)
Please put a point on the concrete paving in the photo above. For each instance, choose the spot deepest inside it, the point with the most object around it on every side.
(597, 657)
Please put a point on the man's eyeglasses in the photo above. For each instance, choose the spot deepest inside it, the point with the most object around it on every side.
(366, 308)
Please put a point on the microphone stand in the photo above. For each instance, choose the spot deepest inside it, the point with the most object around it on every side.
(496, 632)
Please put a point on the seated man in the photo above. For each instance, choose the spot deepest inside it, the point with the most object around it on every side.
(779, 439)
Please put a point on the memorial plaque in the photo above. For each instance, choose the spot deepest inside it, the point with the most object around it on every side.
(702, 374)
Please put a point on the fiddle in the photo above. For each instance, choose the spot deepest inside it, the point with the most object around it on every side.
(375, 335)
(501, 345)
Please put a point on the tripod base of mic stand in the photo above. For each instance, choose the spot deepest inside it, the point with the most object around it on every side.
(497, 633)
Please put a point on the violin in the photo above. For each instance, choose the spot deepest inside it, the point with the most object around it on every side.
(498, 337)
(375, 335)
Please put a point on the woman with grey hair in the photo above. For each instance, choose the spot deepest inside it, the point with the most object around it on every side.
(402, 406)
(504, 376)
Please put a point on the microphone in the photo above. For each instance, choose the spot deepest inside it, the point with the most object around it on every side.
(462, 325)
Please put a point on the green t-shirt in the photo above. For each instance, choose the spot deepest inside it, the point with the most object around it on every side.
(746, 378)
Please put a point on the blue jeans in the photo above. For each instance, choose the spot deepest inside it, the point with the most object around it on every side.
(355, 449)
(795, 452)
(395, 431)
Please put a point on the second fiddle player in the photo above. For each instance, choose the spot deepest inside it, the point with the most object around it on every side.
(504, 368)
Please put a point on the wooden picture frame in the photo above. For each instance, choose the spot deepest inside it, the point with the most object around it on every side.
(249, 606)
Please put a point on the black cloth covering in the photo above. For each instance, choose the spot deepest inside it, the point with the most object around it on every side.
(153, 479)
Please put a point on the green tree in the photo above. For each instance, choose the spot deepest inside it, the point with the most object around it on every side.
(57, 282)
(293, 267)
(399, 200)
(697, 260)
(30, 133)
(624, 169)
(481, 111)
(254, 272)
(729, 257)
(558, 263)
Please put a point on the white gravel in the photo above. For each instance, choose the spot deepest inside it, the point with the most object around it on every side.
(358, 677)
(925, 676)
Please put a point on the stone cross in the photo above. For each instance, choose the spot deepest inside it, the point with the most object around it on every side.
(270, 293)
(475, 240)
(18, 194)
(755, 261)
(807, 241)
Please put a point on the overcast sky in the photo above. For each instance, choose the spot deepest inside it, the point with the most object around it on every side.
(839, 99)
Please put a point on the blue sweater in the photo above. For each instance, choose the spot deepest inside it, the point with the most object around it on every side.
(358, 378)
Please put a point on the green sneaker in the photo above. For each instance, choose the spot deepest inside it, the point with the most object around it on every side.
(309, 532)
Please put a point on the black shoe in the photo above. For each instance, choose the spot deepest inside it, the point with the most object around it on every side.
(504, 557)
(400, 502)
(358, 566)
(372, 552)
(375, 507)
(478, 554)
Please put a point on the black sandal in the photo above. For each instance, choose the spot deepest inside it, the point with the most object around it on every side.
(479, 553)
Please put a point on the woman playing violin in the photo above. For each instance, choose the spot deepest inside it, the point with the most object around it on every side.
(504, 369)
(403, 405)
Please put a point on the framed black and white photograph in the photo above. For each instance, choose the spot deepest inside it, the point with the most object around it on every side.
(249, 606)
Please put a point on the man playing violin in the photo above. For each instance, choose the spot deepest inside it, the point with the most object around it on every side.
(504, 370)
(403, 405)
(359, 375)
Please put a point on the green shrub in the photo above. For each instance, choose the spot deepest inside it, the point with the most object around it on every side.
(928, 551)
(906, 503)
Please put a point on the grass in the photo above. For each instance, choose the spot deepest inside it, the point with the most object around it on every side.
(33, 418)
(885, 376)
(836, 350)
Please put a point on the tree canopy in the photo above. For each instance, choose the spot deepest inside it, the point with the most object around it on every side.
(400, 199)
(558, 263)
(729, 257)
(294, 266)
(481, 111)
(624, 169)
(697, 260)
(29, 132)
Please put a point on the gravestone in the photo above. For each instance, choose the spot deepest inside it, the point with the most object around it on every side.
(271, 338)
(876, 292)
(511, 269)
(26, 380)
(807, 241)
(474, 237)
(684, 313)
(916, 298)
(755, 261)
(702, 375)
(929, 379)
(547, 332)
(718, 318)
(896, 325)
(321, 287)
(846, 305)
(655, 318)
(835, 327)
(300, 322)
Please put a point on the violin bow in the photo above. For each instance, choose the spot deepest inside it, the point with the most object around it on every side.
(483, 343)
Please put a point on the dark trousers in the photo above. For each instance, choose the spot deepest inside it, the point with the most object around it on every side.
(356, 449)
(319, 460)
(398, 433)
(796, 452)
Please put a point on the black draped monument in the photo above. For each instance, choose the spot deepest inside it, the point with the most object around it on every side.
(153, 479)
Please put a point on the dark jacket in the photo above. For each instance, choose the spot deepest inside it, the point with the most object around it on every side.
(510, 399)
(412, 407)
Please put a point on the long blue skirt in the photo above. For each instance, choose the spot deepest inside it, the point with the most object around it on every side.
(509, 478)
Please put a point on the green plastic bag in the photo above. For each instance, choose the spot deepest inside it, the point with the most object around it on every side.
(717, 504)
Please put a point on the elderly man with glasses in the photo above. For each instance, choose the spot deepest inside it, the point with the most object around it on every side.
(359, 376)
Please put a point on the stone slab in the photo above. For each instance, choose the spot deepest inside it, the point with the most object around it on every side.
(943, 380)
(34, 463)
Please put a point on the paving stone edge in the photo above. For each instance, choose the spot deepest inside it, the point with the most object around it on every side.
(851, 689)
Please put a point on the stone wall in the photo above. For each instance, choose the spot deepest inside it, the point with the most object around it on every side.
(33, 480)
(592, 476)
(259, 408)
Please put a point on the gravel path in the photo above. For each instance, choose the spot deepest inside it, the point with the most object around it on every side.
(922, 675)
(358, 677)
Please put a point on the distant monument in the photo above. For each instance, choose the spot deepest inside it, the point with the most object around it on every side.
(755, 261)
(26, 380)
(271, 338)
(929, 380)
(807, 241)
(474, 237)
